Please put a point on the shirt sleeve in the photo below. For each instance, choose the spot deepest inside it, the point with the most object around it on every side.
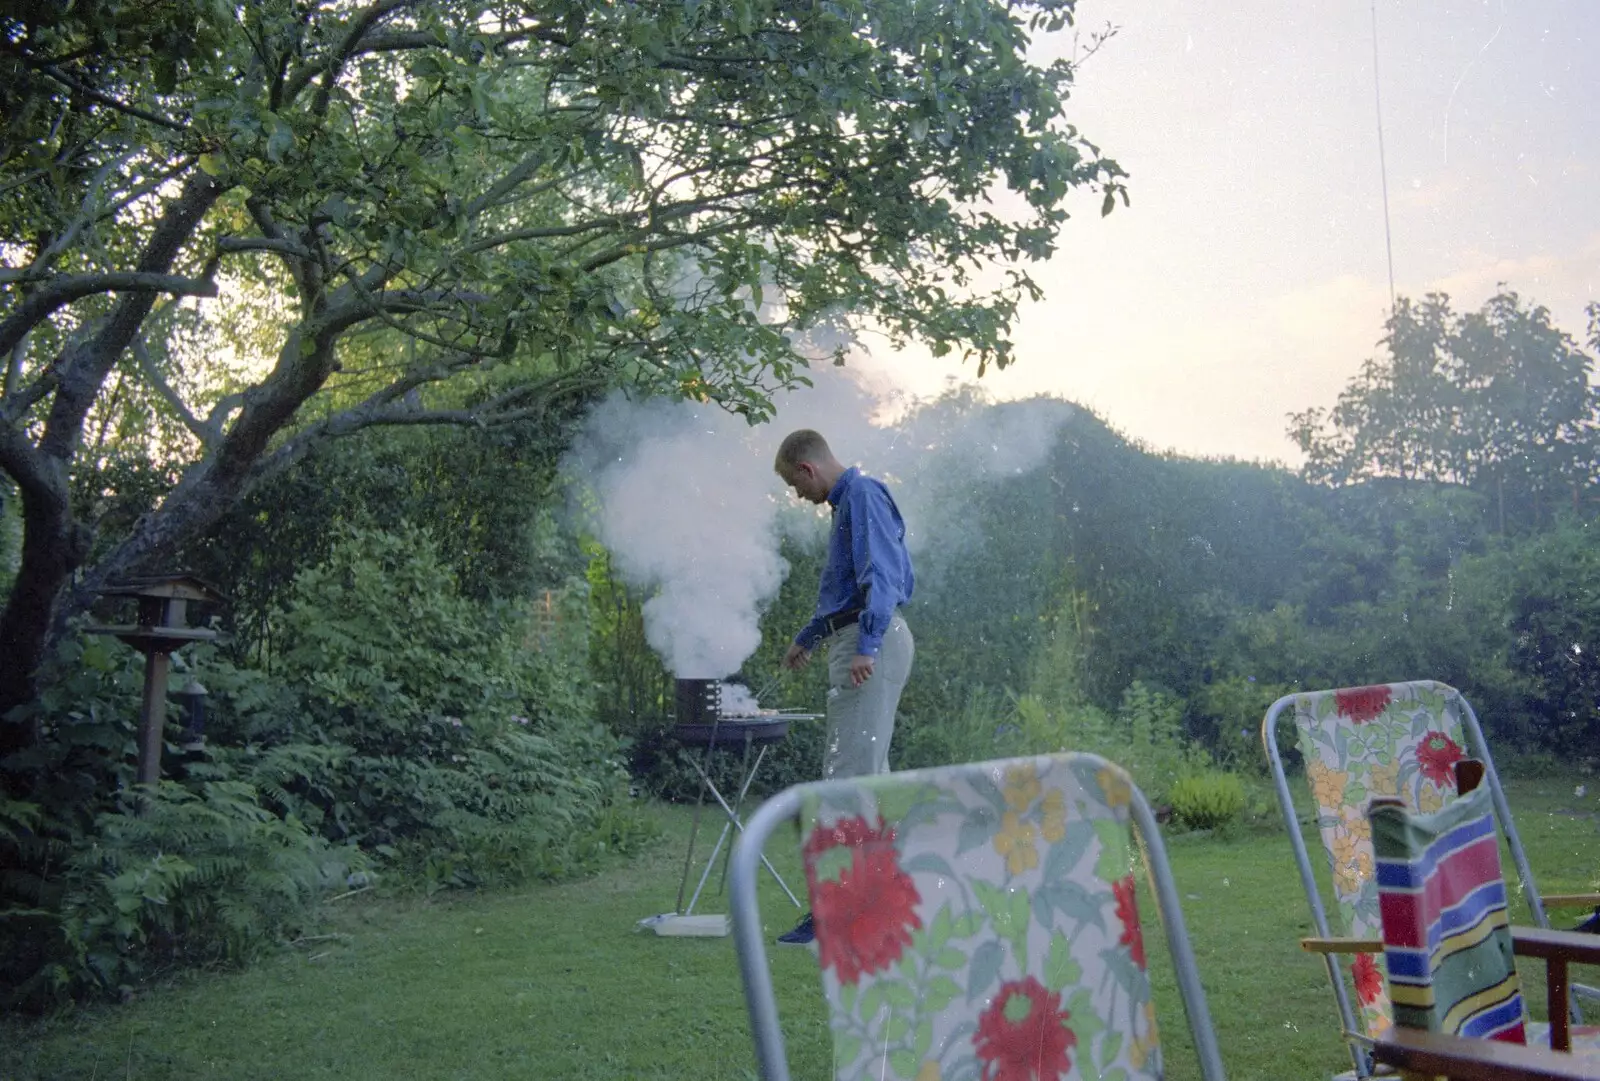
(810, 634)
(878, 553)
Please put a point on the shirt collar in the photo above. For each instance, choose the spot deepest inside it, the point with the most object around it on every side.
(836, 494)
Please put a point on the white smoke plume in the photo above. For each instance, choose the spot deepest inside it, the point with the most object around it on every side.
(686, 501)
(947, 451)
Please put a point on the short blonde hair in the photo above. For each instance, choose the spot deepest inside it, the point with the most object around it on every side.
(804, 445)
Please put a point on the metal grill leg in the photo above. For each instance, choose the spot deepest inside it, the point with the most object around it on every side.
(735, 823)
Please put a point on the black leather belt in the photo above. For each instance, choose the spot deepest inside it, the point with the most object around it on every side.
(840, 620)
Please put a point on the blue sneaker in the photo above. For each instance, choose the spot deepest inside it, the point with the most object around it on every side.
(802, 935)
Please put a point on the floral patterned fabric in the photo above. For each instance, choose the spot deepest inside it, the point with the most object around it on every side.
(978, 923)
(1394, 739)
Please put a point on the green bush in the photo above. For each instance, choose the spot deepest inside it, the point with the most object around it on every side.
(1230, 712)
(176, 876)
(453, 740)
(983, 728)
(1203, 801)
(1145, 736)
(466, 731)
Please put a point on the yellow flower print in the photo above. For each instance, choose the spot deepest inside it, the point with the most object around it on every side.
(1114, 783)
(1054, 826)
(1015, 843)
(1430, 799)
(1022, 787)
(1385, 780)
(1139, 1051)
(1352, 856)
(1327, 785)
(1354, 822)
(929, 1071)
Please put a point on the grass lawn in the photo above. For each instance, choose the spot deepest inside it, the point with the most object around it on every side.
(552, 981)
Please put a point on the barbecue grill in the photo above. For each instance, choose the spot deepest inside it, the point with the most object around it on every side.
(698, 709)
(702, 721)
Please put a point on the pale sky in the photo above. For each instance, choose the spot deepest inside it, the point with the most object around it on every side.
(1248, 279)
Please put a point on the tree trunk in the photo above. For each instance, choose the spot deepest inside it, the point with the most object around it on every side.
(54, 543)
(54, 546)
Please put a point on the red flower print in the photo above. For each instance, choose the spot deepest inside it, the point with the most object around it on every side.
(1022, 1036)
(865, 916)
(1128, 913)
(1362, 704)
(1369, 981)
(1438, 754)
(847, 833)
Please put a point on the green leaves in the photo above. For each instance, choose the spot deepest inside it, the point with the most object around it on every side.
(977, 829)
(985, 969)
(1009, 912)
(897, 803)
(1084, 1022)
(280, 138)
(1060, 970)
(1115, 859)
(940, 992)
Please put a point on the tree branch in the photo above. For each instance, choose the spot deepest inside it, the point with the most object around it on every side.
(367, 41)
(63, 289)
(656, 215)
(674, 240)
(81, 370)
(107, 100)
(147, 188)
(367, 305)
(359, 26)
(297, 257)
(380, 409)
(32, 472)
(232, 245)
(500, 239)
(197, 427)
(41, 263)
(13, 376)
(506, 184)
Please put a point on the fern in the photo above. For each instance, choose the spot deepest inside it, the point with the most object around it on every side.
(195, 877)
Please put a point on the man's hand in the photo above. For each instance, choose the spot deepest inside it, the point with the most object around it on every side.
(860, 668)
(796, 658)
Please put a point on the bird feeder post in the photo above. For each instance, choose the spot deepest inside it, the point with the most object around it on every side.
(161, 628)
(153, 715)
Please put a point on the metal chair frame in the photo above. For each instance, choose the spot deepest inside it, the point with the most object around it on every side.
(750, 939)
(1478, 749)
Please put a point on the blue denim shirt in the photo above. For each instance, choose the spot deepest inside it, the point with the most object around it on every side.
(868, 566)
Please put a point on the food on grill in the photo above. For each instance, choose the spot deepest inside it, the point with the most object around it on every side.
(736, 713)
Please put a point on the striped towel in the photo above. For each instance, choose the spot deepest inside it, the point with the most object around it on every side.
(1447, 940)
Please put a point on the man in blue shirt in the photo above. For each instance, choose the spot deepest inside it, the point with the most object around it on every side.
(866, 578)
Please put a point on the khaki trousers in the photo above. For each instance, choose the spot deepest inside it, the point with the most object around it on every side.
(861, 719)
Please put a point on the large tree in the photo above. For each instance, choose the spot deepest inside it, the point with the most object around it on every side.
(464, 211)
(1498, 400)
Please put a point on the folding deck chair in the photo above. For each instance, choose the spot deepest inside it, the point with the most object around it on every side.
(1397, 740)
(974, 922)
(1449, 949)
